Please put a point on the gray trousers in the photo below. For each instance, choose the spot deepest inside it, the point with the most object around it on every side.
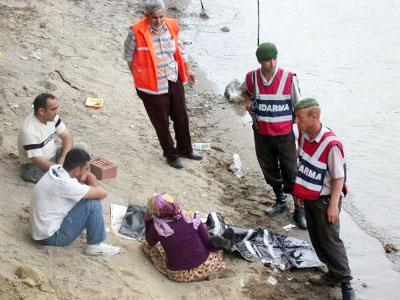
(31, 173)
(325, 238)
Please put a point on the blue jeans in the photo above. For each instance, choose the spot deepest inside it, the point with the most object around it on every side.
(85, 214)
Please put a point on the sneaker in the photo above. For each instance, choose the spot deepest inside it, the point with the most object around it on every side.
(175, 163)
(101, 249)
(347, 291)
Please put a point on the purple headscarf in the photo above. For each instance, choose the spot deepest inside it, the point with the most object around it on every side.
(164, 210)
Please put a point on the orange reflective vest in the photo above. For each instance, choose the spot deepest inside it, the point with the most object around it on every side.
(144, 66)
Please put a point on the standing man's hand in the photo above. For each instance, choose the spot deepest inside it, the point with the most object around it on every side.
(247, 102)
(332, 213)
(192, 77)
(333, 207)
(129, 65)
(248, 105)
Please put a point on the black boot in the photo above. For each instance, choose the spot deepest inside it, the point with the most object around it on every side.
(299, 217)
(347, 291)
(280, 204)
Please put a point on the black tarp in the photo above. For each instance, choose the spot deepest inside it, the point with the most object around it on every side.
(270, 249)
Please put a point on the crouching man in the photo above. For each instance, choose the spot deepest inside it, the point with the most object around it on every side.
(37, 146)
(65, 201)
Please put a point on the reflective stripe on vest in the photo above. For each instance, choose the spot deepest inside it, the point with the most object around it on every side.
(312, 167)
(274, 110)
(144, 65)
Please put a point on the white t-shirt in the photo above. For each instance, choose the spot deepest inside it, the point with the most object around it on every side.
(38, 139)
(53, 197)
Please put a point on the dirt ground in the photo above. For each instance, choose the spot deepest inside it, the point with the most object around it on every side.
(73, 49)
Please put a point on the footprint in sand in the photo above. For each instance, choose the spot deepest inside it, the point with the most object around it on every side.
(129, 274)
(48, 85)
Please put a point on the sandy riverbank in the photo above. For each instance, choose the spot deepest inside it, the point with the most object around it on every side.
(83, 42)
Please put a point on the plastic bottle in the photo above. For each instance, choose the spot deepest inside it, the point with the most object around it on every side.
(202, 146)
(236, 167)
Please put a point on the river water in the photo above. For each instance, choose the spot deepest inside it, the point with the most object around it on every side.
(345, 54)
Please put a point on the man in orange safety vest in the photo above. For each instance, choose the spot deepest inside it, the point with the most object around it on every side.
(159, 66)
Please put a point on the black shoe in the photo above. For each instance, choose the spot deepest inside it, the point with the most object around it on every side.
(175, 163)
(300, 218)
(347, 291)
(193, 156)
(278, 207)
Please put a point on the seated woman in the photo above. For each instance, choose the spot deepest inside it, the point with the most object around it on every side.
(178, 244)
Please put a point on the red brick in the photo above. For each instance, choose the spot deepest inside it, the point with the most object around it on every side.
(102, 168)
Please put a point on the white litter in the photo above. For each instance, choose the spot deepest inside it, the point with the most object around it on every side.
(202, 146)
(241, 283)
(34, 55)
(289, 227)
(236, 167)
(272, 280)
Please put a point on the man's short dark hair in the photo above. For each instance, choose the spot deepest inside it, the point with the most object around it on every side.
(75, 158)
(41, 101)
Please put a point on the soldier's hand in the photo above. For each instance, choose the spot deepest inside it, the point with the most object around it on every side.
(248, 105)
(332, 213)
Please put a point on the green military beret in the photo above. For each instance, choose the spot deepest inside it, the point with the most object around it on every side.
(266, 51)
(306, 102)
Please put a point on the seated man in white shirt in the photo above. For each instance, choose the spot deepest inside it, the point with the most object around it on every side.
(65, 201)
(36, 139)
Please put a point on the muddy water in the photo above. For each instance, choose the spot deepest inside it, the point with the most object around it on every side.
(346, 55)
